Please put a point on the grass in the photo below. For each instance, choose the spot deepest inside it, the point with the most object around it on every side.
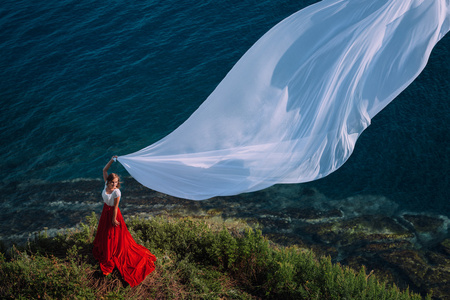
(197, 259)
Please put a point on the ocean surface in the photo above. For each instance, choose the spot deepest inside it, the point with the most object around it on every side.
(83, 80)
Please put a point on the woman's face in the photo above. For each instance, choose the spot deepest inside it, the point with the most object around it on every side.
(113, 184)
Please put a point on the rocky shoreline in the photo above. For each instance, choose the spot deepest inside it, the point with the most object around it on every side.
(410, 249)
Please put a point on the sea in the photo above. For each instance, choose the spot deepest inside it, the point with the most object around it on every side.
(83, 80)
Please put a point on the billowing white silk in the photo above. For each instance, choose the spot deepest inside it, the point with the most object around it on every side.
(293, 106)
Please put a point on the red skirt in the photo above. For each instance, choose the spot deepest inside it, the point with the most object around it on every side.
(115, 247)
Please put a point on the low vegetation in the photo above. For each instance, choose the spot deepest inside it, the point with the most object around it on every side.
(197, 259)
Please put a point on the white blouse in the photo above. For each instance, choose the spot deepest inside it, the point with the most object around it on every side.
(109, 198)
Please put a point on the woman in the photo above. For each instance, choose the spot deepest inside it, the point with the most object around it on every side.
(113, 245)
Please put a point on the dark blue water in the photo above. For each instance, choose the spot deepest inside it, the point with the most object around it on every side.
(83, 80)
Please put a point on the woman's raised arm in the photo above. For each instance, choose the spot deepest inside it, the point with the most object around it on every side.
(106, 168)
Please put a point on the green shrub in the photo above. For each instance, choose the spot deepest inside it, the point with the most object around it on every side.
(34, 276)
(258, 266)
(196, 260)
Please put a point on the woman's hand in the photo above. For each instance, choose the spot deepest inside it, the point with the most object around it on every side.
(115, 223)
(114, 158)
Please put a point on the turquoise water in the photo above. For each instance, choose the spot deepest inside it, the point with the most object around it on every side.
(83, 80)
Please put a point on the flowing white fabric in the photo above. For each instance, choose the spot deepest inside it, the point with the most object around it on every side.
(293, 106)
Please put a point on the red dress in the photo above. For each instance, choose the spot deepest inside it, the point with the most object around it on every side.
(115, 247)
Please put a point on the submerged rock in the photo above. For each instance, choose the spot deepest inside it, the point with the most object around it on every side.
(410, 263)
(314, 215)
(446, 246)
(424, 276)
(423, 223)
(365, 205)
(360, 230)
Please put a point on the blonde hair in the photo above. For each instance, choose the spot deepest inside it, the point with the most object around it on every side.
(113, 176)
